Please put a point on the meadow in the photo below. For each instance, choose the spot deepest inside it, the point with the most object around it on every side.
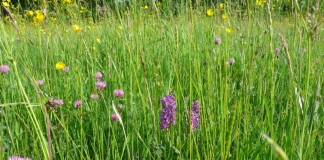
(144, 82)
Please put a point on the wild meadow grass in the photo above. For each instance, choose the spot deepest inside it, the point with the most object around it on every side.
(258, 79)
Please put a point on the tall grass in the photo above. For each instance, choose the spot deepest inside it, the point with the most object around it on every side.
(149, 54)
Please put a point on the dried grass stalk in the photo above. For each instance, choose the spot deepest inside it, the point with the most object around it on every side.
(284, 43)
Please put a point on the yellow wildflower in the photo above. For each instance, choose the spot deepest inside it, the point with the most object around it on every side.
(224, 16)
(76, 28)
(98, 40)
(67, 1)
(6, 4)
(39, 17)
(229, 30)
(39, 12)
(120, 27)
(30, 13)
(53, 19)
(221, 6)
(59, 66)
(210, 12)
(146, 7)
(260, 3)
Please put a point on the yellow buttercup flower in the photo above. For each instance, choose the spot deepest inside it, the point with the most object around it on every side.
(98, 40)
(146, 7)
(59, 66)
(39, 17)
(221, 6)
(6, 4)
(229, 30)
(76, 28)
(210, 12)
(260, 3)
(224, 16)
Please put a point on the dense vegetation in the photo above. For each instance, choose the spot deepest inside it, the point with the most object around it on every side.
(161, 79)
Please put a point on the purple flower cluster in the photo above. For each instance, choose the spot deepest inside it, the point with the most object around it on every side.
(114, 117)
(194, 118)
(57, 102)
(98, 75)
(77, 103)
(40, 82)
(169, 109)
(118, 92)
(277, 50)
(66, 69)
(218, 41)
(101, 85)
(231, 61)
(94, 96)
(52, 105)
(18, 158)
(4, 69)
